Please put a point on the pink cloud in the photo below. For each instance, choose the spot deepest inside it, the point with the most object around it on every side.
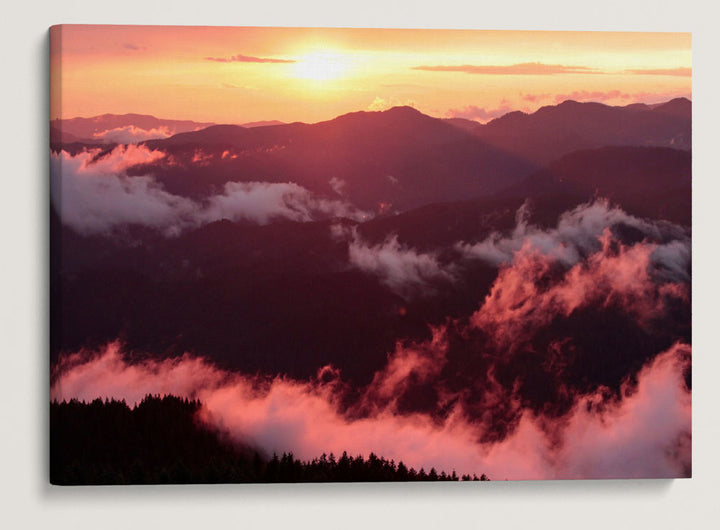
(473, 112)
(382, 104)
(248, 59)
(597, 95)
(532, 98)
(597, 270)
(513, 69)
(646, 433)
(525, 298)
(682, 72)
(132, 135)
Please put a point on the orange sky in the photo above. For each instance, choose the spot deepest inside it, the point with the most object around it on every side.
(236, 75)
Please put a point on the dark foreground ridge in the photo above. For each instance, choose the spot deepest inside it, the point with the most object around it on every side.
(161, 441)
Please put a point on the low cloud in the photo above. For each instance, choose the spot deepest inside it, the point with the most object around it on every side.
(578, 234)
(405, 270)
(597, 95)
(132, 135)
(381, 104)
(597, 269)
(94, 194)
(263, 202)
(248, 59)
(532, 98)
(644, 433)
(513, 69)
(525, 297)
(338, 185)
(473, 112)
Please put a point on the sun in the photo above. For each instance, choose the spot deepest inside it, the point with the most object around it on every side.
(321, 66)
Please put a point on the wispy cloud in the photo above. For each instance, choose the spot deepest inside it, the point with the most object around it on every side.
(513, 69)
(405, 270)
(131, 134)
(94, 194)
(641, 279)
(585, 95)
(380, 104)
(532, 98)
(248, 59)
(681, 72)
(473, 112)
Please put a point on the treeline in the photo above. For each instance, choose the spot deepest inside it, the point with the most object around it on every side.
(160, 441)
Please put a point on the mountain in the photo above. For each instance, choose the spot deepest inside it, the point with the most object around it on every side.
(59, 136)
(90, 128)
(654, 182)
(554, 131)
(390, 161)
(262, 123)
(396, 159)
(462, 123)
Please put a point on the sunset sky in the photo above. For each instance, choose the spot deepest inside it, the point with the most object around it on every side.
(237, 75)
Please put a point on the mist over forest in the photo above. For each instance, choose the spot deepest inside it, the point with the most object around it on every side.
(509, 299)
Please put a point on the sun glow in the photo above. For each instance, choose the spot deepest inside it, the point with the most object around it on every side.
(321, 66)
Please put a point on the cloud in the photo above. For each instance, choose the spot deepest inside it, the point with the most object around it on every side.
(381, 104)
(338, 185)
(532, 98)
(132, 135)
(513, 69)
(263, 202)
(682, 72)
(93, 194)
(645, 432)
(654, 414)
(472, 112)
(597, 269)
(475, 420)
(405, 270)
(248, 59)
(525, 297)
(576, 235)
(409, 365)
(584, 95)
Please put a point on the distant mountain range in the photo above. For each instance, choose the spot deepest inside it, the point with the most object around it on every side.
(553, 131)
(90, 130)
(399, 158)
(394, 160)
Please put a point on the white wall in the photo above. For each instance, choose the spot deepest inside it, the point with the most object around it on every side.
(26, 499)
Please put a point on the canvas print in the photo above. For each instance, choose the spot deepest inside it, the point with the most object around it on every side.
(354, 255)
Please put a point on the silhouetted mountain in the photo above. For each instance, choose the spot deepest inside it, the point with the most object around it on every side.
(679, 107)
(262, 123)
(654, 182)
(88, 127)
(399, 157)
(462, 123)
(59, 136)
(553, 131)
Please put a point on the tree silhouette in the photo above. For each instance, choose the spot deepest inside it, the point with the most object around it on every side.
(161, 441)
